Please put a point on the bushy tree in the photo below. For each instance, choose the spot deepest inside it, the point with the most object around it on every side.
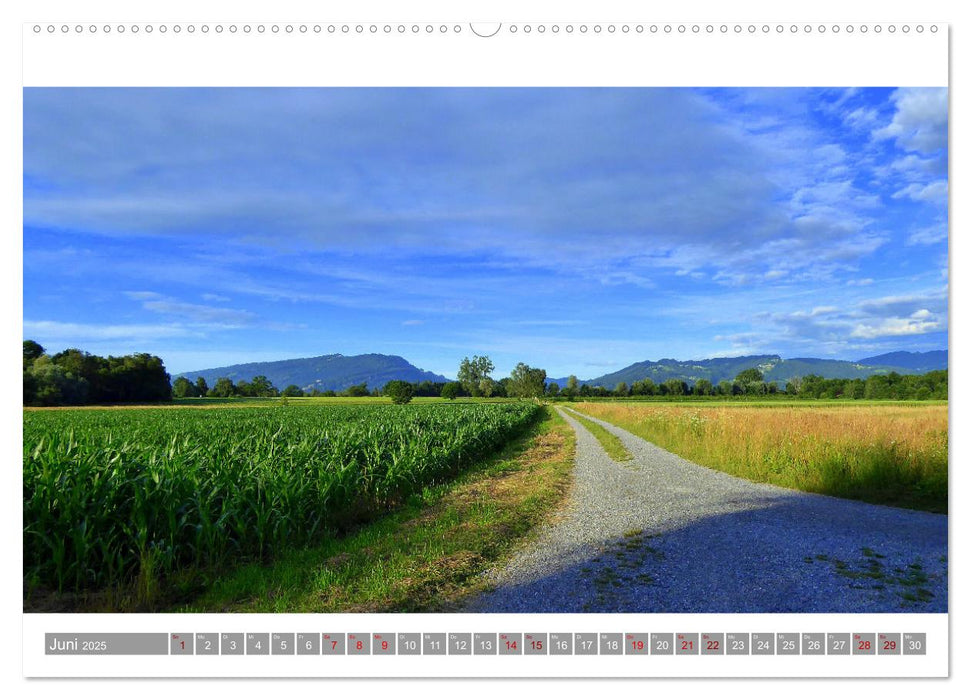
(644, 387)
(474, 375)
(357, 390)
(526, 381)
(400, 391)
(703, 387)
(223, 388)
(202, 388)
(292, 390)
(32, 350)
(451, 390)
(746, 376)
(182, 388)
(553, 389)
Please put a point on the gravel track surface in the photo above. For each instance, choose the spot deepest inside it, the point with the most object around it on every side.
(661, 534)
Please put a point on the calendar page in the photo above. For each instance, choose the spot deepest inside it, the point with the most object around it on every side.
(539, 345)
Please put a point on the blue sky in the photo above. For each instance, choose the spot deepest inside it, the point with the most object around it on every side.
(578, 230)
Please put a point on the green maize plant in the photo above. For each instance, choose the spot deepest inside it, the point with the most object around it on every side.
(120, 496)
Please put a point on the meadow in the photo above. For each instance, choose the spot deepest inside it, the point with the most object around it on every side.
(887, 453)
(116, 498)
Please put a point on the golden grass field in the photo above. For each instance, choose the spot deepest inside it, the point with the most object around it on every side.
(890, 453)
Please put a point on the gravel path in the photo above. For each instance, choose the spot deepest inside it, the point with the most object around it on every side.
(661, 534)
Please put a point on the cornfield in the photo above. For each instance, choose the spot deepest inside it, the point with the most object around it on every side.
(118, 496)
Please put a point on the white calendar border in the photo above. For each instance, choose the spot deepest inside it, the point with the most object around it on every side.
(700, 10)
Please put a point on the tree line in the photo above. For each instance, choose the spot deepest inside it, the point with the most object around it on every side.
(74, 377)
(750, 382)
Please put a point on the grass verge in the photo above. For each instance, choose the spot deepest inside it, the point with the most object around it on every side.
(890, 454)
(610, 442)
(428, 555)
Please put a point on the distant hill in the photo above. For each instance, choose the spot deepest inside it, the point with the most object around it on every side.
(916, 362)
(773, 367)
(326, 372)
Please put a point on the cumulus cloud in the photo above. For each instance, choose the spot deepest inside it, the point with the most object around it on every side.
(920, 121)
(931, 192)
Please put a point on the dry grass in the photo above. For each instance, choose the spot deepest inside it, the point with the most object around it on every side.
(894, 454)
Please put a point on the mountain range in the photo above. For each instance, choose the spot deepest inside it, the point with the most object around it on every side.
(325, 372)
(773, 368)
(337, 372)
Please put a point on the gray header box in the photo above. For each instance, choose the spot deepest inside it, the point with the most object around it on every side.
(409, 643)
(585, 643)
(207, 643)
(359, 643)
(535, 643)
(915, 643)
(113, 644)
(561, 643)
(838, 644)
(763, 643)
(485, 643)
(333, 643)
(282, 643)
(611, 643)
(713, 644)
(864, 643)
(308, 643)
(813, 643)
(510, 643)
(637, 644)
(231, 644)
(686, 643)
(257, 643)
(460, 643)
(433, 644)
(787, 643)
(181, 644)
(737, 644)
(662, 643)
(888, 643)
(383, 643)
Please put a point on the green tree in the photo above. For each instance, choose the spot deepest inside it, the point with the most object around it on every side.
(451, 390)
(261, 386)
(752, 374)
(621, 389)
(202, 388)
(400, 391)
(32, 350)
(292, 390)
(553, 389)
(703, 387)
(182, 388)
(357, 390)
(474, 375)
(223, 388)
(644, 387)
(526, 381)
(675, 387)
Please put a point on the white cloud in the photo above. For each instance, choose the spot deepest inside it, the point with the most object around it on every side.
(199, 313)
(894, 327)
(79, 333)
(928, 235)
(932, 192)
(920, 122)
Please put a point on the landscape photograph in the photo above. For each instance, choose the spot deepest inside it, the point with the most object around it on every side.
(491, 350)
